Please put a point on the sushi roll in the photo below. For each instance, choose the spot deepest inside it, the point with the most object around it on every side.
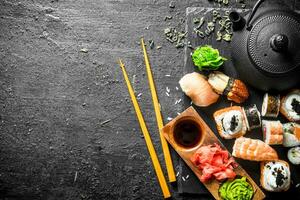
(294, 155)
(272, 132)
(275, 176)
(290, 106)
(252, 116)
(291, 134)
(270, 106)
(230, 122)
(234, 89)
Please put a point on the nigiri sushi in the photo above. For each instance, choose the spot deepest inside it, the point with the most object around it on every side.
(198, 89)
(234, 89)
(252, 149)
(290, 106)
(291, 134)
(272, 132)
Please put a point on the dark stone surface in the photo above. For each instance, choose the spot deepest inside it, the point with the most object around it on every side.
(55, 96)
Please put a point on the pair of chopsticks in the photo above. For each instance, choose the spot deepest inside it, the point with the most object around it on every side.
(165, 147)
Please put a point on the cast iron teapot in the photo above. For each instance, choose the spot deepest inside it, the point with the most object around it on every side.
(266, 47)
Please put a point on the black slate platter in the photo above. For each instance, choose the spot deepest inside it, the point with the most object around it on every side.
(192, 185)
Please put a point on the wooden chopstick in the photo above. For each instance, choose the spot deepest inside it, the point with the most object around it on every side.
(154, 158)
(165, 147)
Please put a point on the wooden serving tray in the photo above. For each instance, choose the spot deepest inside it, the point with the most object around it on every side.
(207, 137)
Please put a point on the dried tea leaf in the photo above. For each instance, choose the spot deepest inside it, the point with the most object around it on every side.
(151, 44)
(167, 30)
(189, 45)
(169, 17)
(200, 34)
(179, 45)
(172, 4)
(219, 36)
(227, 37)
(196, 20)
(200, 23)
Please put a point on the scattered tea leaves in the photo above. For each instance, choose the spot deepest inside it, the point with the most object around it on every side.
(174, 36)
(219, 36)
(221, 2)
(220, 22)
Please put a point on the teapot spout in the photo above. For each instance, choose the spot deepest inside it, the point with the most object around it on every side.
(238, 22)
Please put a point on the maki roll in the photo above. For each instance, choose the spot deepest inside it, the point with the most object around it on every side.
(270, 106)
(294, 155)
(234, 89)
(291, 134)
(252, 116)
(272, 132)
(290, 106)
(230, 122)
(275, 176)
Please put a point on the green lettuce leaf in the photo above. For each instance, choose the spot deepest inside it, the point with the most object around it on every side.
(207, 58)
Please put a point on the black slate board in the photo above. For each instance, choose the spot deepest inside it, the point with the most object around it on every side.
(192, 185)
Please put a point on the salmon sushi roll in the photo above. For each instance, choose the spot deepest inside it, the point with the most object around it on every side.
(272, 132)
(291, 134)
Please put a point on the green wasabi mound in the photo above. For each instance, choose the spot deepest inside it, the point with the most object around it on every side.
(207, 58)
(238, 189)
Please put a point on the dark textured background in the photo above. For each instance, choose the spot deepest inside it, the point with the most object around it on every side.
(54, 98)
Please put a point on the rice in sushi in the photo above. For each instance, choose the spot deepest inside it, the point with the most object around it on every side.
(294, 155)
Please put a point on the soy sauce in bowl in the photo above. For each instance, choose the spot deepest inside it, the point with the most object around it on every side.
(187, 133)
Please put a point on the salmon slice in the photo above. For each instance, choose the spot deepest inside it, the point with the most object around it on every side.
(252, 149)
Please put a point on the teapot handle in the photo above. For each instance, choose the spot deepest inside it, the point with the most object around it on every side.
(252, 13)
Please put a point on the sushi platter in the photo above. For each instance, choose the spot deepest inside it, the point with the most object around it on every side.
(239, 138)
(205, 137)
(262, 116)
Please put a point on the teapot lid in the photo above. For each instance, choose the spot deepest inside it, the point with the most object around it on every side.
(274, 43)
